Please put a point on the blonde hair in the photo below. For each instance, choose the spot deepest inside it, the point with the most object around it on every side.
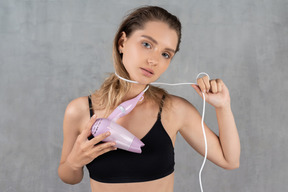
(113, 90)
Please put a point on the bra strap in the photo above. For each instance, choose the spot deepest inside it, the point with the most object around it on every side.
(161, 106)
(90, 106)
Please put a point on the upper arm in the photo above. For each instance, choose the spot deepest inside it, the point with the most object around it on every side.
(191, 130)
(75, 118)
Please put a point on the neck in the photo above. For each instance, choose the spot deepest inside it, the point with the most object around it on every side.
(134, 91)
(136, 88)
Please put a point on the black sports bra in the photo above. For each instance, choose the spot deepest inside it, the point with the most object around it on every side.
(120, 166)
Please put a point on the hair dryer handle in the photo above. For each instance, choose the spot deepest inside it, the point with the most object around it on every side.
(125, 107)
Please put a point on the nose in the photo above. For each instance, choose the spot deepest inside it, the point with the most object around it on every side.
(153, 59)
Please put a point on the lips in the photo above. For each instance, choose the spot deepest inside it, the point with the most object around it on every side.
(148, 70)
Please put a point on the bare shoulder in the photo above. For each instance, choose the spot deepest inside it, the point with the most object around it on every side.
(179, 109)
(179, 104)
(77, 113)
(77, 106)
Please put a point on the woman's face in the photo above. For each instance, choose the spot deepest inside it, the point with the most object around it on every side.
(147, 53)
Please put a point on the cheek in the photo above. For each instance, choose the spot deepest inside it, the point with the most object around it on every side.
(163, 68)
(131, 59)
(165, 65)
(131, 55)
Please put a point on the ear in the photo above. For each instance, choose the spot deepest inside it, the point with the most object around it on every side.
(121, 41)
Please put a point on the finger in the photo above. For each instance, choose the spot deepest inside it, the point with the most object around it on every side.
(206, 82)
(87, 131)
(197, 89)
(105, 150)
(104, 146)
(214, 86)
(219, 84)
(99, 138)
(201, 85)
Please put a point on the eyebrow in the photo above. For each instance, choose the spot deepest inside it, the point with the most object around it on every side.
(154, 41)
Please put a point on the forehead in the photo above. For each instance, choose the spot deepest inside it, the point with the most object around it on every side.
(159, 31)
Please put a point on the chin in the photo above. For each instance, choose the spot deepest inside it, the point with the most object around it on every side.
(145, 81)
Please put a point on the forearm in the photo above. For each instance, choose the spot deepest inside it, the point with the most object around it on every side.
(228, 136)
(70, 174)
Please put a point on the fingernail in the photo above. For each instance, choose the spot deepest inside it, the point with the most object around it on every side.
(115, 148)
(107, 133)
(112, 144)
(94, 116)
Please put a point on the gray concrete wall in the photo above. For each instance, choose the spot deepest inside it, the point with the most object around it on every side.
(52, 51)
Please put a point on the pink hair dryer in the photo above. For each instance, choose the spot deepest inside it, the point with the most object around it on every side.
(123, 138)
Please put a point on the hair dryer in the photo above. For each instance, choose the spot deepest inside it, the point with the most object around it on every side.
(123, 138)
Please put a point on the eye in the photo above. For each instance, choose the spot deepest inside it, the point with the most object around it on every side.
(147, 45)
(166, 55)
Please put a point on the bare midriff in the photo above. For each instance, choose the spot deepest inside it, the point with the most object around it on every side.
(164, 184)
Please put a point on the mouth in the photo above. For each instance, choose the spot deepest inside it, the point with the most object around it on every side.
(148, 70)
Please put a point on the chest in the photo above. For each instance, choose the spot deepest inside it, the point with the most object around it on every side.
(156, 160)
(142, 119)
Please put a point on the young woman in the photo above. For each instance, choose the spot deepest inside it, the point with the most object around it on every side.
(144, 46)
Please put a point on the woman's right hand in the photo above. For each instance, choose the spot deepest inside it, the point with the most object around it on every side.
(84, 151)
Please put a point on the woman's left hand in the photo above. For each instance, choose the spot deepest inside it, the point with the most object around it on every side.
(216, 92)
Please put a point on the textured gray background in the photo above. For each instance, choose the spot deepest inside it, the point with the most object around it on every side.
(52, 51)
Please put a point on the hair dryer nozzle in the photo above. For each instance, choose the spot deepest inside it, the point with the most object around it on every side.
(134, 147)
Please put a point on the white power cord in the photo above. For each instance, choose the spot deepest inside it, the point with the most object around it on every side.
(203, 114)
